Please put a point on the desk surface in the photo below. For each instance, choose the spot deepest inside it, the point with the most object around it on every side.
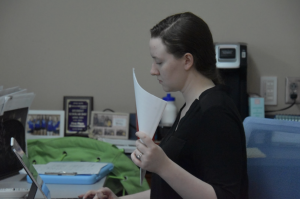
(56, 190)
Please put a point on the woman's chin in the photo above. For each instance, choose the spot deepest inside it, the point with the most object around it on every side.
(167, 89)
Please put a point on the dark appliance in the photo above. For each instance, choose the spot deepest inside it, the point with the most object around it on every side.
(232, 64)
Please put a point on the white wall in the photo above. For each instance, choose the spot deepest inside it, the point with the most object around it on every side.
(88, 48)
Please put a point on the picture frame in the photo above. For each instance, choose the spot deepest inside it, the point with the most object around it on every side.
(77, 115)
(45, 124)
(109, 125)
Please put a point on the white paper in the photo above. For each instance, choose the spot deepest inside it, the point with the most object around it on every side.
(9, 90)
(88, 168)
(17, 101)
(149, 112)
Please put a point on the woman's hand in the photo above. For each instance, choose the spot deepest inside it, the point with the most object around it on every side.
(148, 155)
(103, 193)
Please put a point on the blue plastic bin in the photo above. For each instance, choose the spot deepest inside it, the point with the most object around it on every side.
(277, 175)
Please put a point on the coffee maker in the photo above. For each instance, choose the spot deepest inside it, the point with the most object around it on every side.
(232, 64)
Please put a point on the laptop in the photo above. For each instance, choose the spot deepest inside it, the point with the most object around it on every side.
(37, 182)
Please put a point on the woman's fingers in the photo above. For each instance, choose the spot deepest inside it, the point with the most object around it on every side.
(148, 155)
(106, 193)
(140, 147)
(135, 160)
(89, 194)
(144, 139)
(138, 154)
(100, 195)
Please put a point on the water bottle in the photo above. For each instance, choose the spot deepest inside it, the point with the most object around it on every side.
(170, 112)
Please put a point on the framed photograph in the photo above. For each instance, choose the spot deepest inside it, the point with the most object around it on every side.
(109, 125)
(45, 124)
(77, 115)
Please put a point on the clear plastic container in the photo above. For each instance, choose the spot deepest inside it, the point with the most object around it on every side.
(170, 112)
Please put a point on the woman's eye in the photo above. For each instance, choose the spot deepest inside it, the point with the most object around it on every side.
(159, 63)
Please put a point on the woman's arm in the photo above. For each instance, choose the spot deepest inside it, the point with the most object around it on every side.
(144, 194)
(106, 193)
(185, 184)
(155, 160)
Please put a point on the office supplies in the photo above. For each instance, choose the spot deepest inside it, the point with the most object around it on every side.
(37, 181)
(72, 172)
(82, 149)
(13, 192)
(256, 107)
(10, 91)
(13, 112)
(87, 168)
(127, 145)
(63, 173)
(149, 112)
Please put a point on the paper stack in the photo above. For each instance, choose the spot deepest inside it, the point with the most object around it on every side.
(14, 98)
(14, 106)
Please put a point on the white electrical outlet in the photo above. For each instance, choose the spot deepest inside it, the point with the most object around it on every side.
(292, 86)
(268, 89)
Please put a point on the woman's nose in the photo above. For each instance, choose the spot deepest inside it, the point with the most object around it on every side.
(154, 70)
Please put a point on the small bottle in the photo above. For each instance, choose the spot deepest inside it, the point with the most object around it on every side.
(170, 112)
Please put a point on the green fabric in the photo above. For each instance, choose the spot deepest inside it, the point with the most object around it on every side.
(43, 151)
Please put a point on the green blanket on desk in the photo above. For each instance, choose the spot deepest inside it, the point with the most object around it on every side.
(125, 173)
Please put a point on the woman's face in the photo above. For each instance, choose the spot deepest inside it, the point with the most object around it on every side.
(168, 69)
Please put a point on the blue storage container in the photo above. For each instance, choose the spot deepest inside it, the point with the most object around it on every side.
(276, 174)
(76, 179)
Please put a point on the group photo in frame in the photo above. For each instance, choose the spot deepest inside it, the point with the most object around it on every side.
(109, 125)
(44, 124)
(77, 115)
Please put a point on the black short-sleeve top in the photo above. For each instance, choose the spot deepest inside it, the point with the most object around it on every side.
(210, 144)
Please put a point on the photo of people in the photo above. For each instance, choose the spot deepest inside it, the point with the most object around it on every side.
(109, 125)
(102, 120)
(121, 132)
(109, 132)
(41, 124)
(96, 133)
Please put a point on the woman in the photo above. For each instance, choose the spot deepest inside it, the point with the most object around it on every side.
(204, 153)
(50, 126)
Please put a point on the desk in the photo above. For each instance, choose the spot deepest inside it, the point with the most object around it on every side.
(56, 190)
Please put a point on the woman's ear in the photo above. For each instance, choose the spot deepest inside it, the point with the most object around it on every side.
(188, 61)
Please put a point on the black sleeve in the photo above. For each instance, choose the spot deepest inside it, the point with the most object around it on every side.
(219, 152)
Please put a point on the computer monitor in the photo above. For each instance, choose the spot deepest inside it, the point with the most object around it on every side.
(37, 182)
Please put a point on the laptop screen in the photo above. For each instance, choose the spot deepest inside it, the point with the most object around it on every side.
(30, 170)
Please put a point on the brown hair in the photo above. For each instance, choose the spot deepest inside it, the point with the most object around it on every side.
(187, 33)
